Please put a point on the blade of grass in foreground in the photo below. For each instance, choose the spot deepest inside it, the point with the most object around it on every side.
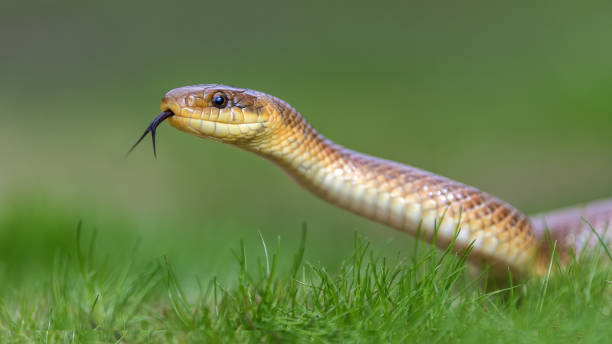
(601, 240)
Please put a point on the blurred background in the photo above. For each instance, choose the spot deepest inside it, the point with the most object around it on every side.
(513, 98)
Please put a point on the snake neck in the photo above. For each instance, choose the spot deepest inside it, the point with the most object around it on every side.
(311, 159)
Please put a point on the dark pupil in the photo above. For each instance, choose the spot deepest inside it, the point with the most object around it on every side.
(218, 100)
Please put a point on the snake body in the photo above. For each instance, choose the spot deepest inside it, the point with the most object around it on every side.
(403, 197)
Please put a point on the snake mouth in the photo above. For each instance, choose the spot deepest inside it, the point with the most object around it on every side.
(151, 128)
(217, 130)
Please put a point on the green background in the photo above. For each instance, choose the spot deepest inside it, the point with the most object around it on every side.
(513, 98)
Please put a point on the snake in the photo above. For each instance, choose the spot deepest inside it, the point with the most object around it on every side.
(431, 207)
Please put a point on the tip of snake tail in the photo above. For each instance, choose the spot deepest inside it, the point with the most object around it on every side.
(151, 128)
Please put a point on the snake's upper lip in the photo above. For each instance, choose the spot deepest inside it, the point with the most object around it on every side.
(169, 104)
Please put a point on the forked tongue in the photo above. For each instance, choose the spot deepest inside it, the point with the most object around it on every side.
(151, 128)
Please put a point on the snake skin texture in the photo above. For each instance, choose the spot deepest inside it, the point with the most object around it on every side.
(572, 227)
(400, 196)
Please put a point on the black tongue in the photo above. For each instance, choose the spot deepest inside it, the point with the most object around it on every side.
(151, 128)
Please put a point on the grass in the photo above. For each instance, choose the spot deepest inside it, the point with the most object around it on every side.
(429, 296)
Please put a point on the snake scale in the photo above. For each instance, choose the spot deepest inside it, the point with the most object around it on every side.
(406, 198)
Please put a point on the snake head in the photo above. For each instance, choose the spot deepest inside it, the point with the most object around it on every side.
(248, 119)
(242, 117)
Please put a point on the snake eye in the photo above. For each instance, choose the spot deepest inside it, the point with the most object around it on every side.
(219, 100)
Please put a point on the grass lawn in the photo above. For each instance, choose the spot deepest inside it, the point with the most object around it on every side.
(424, 296)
